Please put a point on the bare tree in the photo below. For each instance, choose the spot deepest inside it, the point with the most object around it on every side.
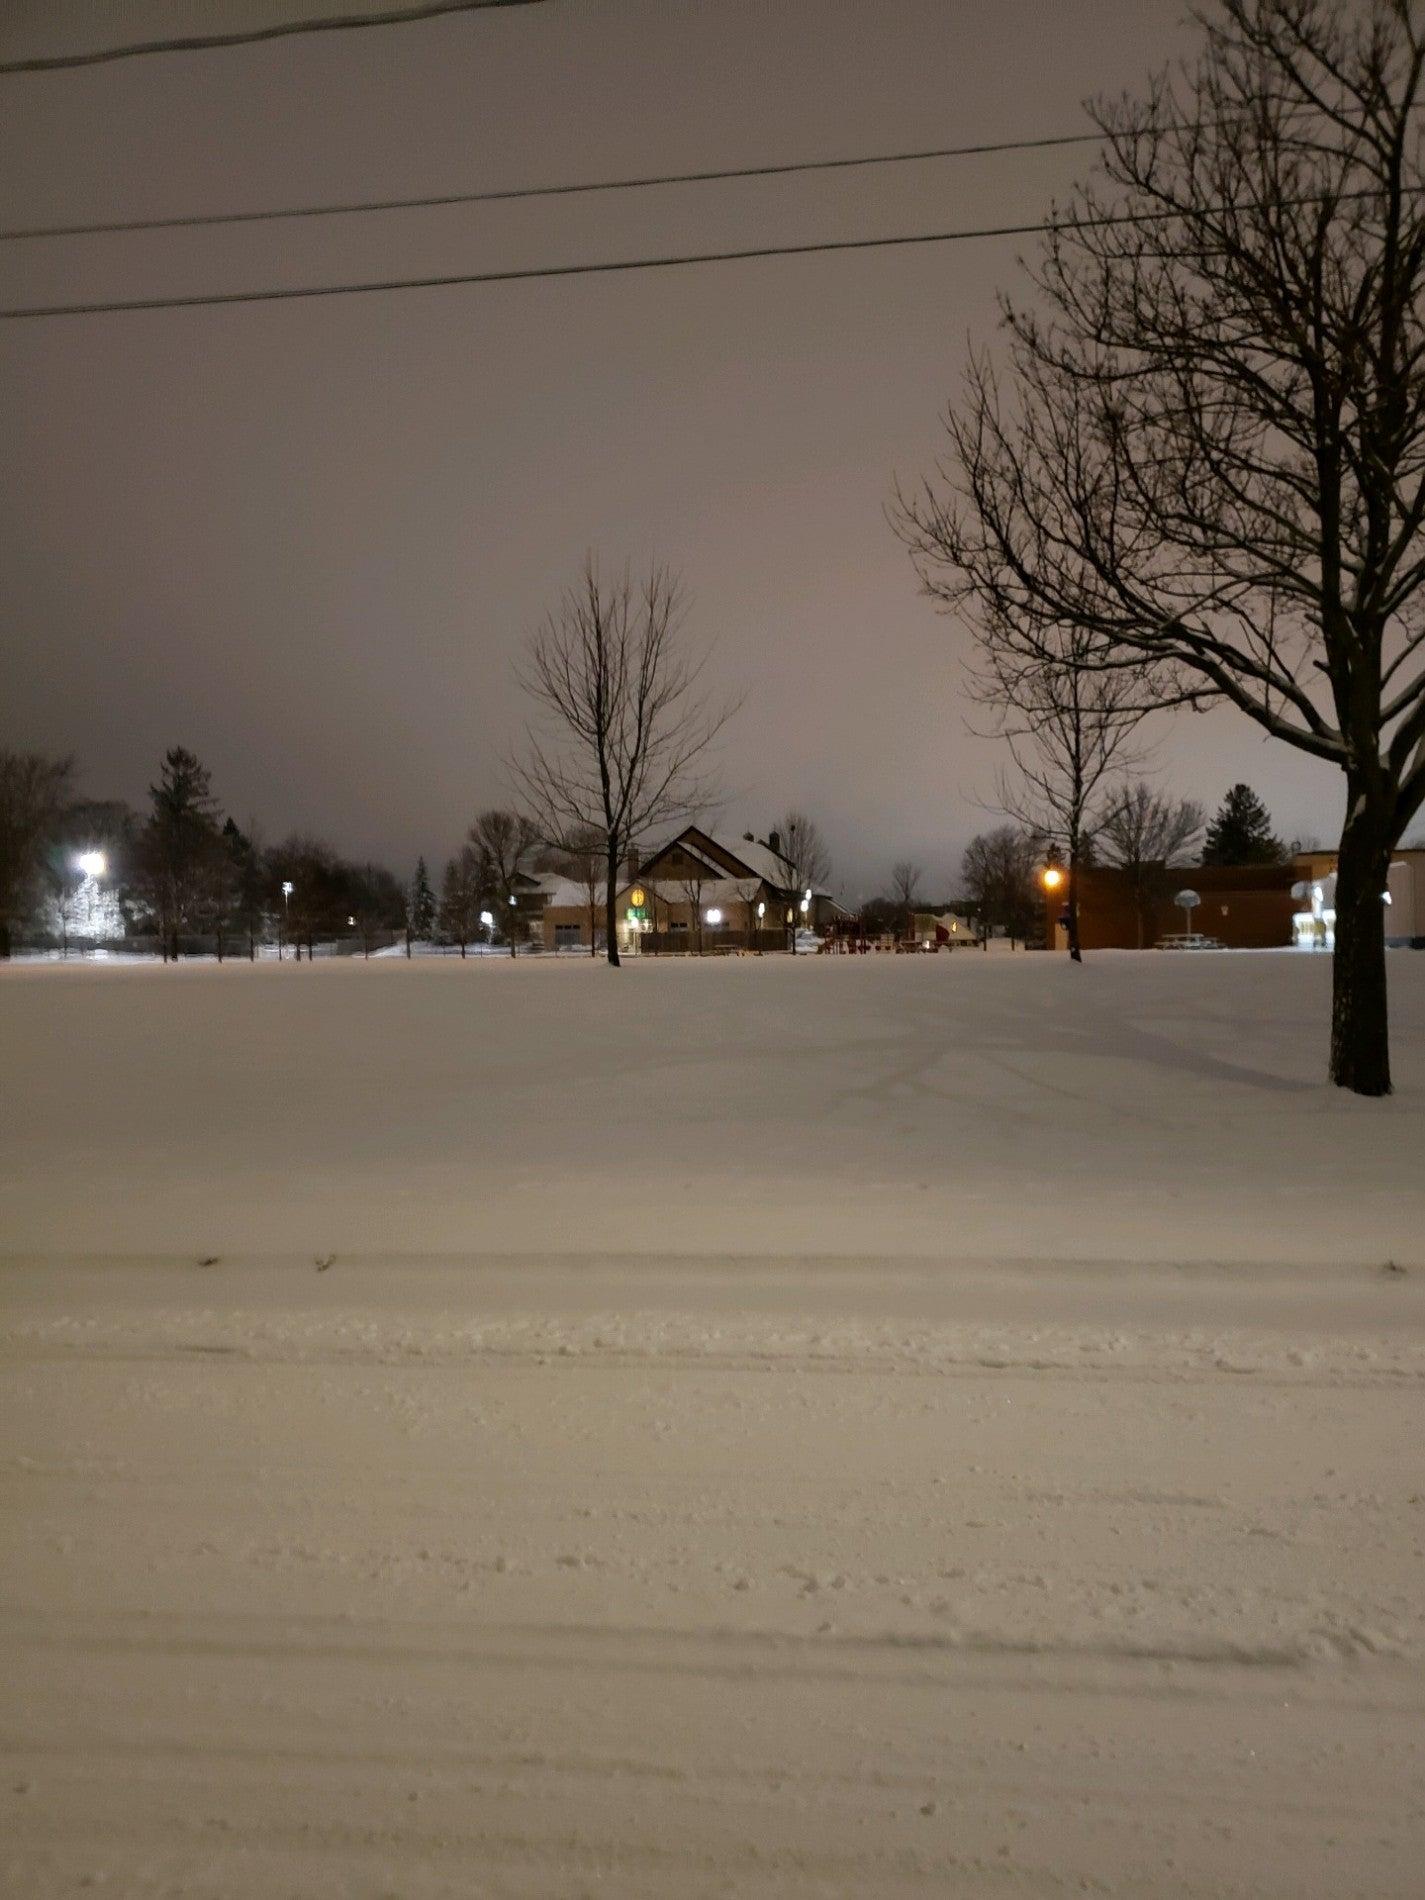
(581, 860)
(749, 892)
(460, 898)
(802, 846)
(623, 726)
(905, 887)
(1067, 725)
(33, 792)
(1143, 833)
(504, 842)
(1208, 446)
(690, 884)
(997, 875)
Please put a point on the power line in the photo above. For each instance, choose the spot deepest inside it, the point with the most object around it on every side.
(550, 190)
(204, 42)
(348, 208)
(535, 272)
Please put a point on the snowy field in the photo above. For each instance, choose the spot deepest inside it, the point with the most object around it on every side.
(943, 1426)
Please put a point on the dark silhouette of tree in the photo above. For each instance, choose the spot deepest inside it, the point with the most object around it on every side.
(178, 848)
(1142, 834)
(504, 842)
(1207, 446)
(377, 903)
(999, 877)
(33, 792)
(1241, 833)
(905, 886)
(422, 904)
(460, 898)
(624, 725)
(1068, 725)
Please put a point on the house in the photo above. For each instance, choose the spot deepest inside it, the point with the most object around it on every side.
(697, 893)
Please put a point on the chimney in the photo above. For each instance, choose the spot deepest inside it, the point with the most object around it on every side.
(631, 867)
(774, 842)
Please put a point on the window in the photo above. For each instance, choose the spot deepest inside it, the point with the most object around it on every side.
(567, 936)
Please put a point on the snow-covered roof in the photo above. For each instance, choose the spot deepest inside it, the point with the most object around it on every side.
(566, 893)
(760, 859)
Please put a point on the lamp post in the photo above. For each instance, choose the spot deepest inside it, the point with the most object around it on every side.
(1053, 879)
(286, 914)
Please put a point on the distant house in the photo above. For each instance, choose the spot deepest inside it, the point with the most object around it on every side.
(698, 893)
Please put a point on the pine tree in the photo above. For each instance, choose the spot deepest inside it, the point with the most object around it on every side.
(1241, 833)
(422, 904)
(178, 844)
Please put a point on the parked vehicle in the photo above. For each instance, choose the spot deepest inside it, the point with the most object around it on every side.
(1189, 940)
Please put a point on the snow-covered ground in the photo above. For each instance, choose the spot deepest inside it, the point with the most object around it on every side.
(852, 1426)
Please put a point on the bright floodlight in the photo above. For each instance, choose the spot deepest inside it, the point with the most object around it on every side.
(714, 916)
(1053, 878)
(92, 863)
(287, 887)
(487, 918)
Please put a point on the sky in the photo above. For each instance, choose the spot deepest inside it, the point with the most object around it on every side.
(307, 540)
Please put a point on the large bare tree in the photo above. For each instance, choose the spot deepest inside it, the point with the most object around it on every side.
(1208, 443)
(623, 725)
(1143, 833)
(1068, 724)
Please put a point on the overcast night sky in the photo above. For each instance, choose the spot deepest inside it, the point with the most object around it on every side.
(306, 539)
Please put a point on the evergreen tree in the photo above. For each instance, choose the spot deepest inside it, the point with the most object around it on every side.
(422, 904)
(245, 879)
(178, 845)
(1241, 833)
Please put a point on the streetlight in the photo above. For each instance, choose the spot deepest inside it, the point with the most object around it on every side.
(286, 914)
(1053, 877)
(92, 863)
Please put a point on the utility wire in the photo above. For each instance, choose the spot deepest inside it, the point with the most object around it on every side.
(347, 209)
(546, 190)
(204, 42)
(609, 268)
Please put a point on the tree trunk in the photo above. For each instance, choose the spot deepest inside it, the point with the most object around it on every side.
(6, 944)
(610, 893)
(1360, 1032)
(1076, 954)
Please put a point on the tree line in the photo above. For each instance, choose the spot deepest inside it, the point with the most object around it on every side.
(185, 876)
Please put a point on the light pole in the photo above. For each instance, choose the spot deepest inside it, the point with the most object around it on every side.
(286, 914)
(1052, 878)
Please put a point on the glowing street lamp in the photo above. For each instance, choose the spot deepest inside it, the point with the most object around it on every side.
(92, 863)
(1052, 877)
